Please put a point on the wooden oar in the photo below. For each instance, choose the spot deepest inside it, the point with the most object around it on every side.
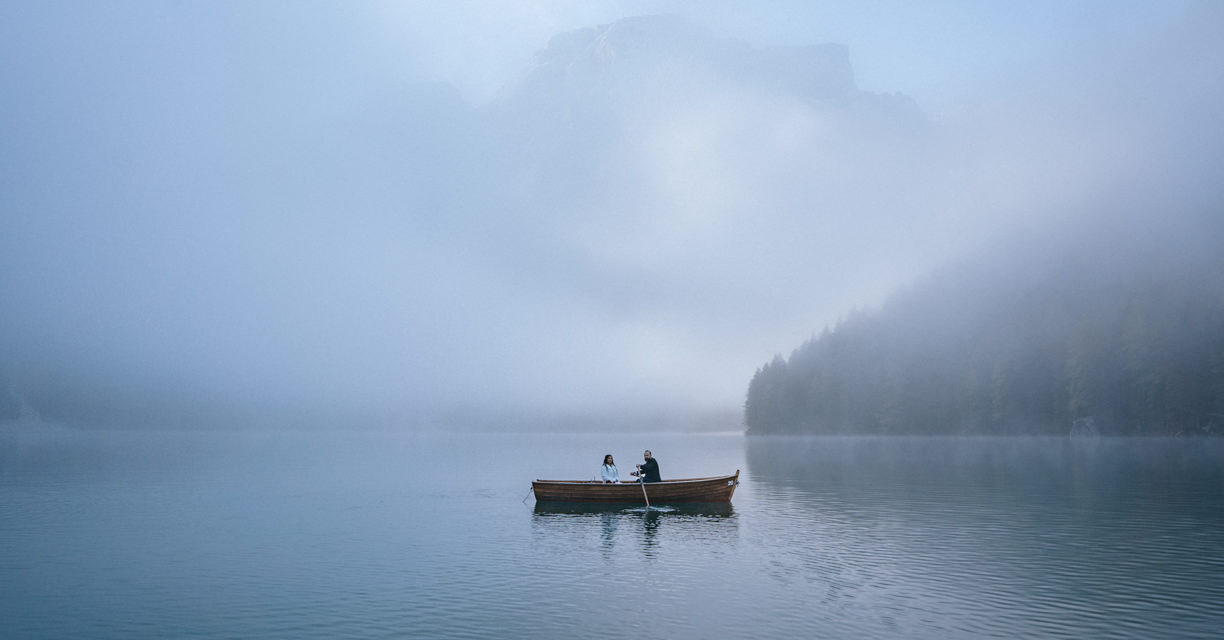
(643, 483)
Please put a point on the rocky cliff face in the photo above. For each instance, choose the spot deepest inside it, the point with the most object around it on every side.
(669, 53)
(634, 67)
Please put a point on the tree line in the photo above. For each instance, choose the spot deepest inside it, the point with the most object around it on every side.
(1108, 343)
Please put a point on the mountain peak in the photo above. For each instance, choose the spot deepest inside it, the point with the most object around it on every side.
(663, 50)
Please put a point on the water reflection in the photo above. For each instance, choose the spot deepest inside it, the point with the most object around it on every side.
(608, 521)
(1056, 535)
(647, 528)
(908, 473)
(712, 510)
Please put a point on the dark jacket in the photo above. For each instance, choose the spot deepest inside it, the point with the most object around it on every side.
(650, 471)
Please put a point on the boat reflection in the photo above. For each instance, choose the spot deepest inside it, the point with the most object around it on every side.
(711, 509)
(614, 524)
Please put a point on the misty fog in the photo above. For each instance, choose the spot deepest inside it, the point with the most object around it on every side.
(415, 214)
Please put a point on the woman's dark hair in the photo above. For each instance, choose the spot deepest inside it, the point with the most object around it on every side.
(606, 459)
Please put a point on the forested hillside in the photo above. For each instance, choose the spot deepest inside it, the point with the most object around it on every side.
(1109, 335)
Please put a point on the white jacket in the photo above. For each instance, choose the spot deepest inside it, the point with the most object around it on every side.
(608, 473)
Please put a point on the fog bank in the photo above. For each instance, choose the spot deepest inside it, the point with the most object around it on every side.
(285, 214)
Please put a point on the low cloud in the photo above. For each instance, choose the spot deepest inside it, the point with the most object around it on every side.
(647, 214)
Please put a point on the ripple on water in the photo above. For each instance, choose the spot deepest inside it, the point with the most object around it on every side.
(826, 538)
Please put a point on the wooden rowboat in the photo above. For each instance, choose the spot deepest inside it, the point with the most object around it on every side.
(716, 489)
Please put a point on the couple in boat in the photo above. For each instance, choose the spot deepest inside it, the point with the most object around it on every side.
(648, 471)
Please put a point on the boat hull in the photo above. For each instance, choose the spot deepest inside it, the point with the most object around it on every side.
(686, 490)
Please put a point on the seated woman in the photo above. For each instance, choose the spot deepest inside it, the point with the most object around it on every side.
(608, 470)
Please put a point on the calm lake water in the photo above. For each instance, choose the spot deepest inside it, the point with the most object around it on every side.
(325, 535)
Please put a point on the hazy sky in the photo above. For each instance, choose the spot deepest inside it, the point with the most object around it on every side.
(330, 204)
(932, 51)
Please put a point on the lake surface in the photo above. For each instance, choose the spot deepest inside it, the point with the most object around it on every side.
(324, 535)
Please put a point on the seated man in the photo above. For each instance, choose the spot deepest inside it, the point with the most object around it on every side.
(648, 471)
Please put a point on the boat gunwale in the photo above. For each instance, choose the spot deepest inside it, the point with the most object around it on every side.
(635, 482)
